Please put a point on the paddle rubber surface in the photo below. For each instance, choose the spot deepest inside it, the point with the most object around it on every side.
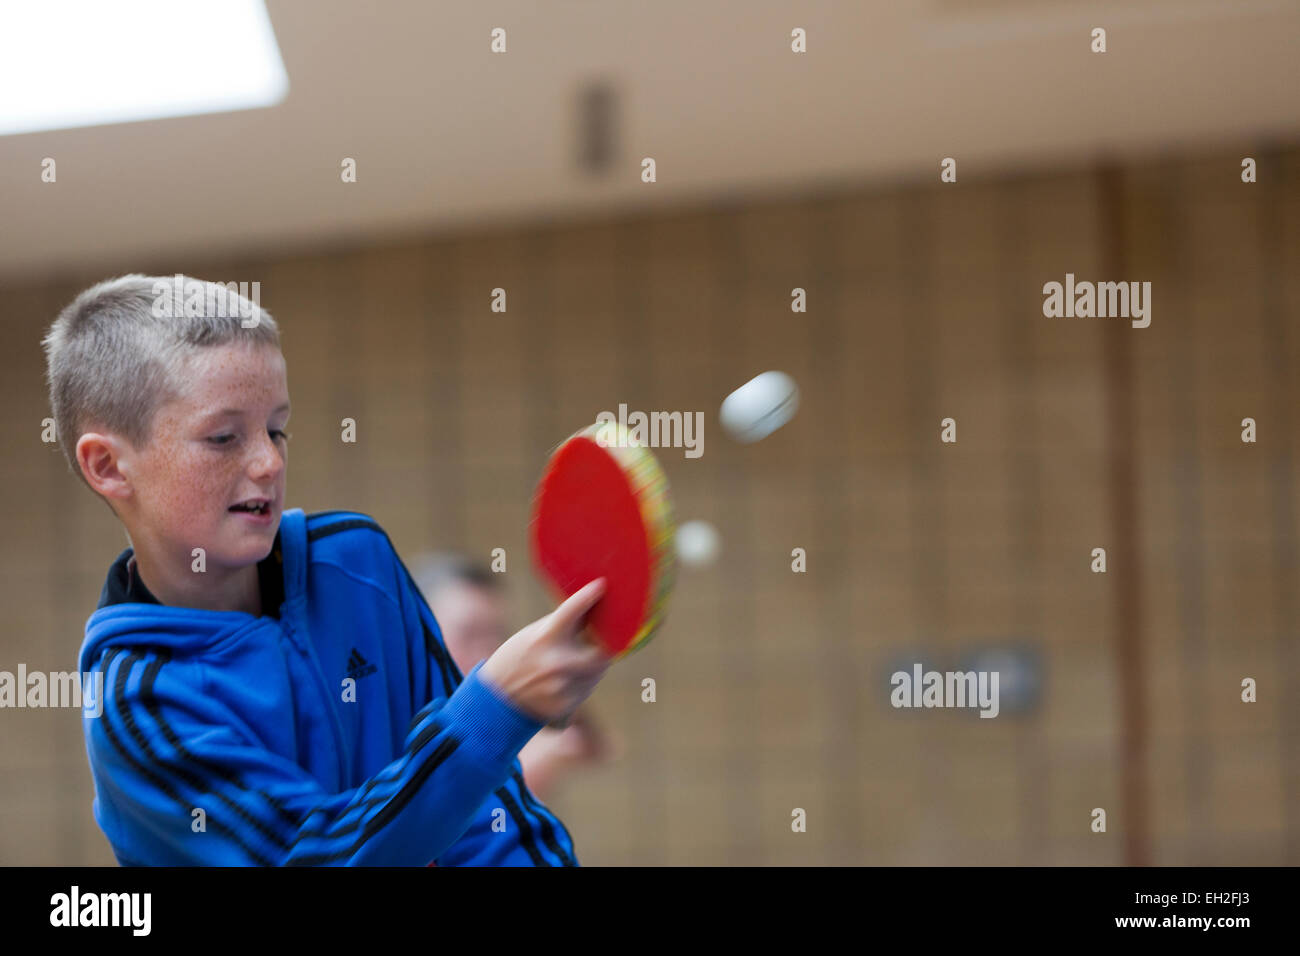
(602, 510)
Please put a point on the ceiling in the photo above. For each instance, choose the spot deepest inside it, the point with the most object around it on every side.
(448, 136)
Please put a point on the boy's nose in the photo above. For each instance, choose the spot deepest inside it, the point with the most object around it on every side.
(268, 460)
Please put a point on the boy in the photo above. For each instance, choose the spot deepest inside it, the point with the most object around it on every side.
(276, 691)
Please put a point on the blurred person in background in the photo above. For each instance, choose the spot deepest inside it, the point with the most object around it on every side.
(469, 603)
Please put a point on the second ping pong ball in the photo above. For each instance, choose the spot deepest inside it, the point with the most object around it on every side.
(697, 543)
(760, 406)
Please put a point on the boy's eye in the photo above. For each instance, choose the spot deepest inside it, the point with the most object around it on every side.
(276, 433)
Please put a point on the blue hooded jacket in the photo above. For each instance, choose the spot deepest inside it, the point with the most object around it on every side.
(335, 729)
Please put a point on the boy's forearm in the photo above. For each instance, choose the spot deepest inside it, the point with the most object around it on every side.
(483, 735)
(492, 728)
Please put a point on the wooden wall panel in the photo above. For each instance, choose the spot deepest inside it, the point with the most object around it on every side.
(773, 688)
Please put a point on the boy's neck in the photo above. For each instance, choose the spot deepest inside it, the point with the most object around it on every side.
(237, 590)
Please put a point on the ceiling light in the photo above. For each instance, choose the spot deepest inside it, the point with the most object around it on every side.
(66, 63)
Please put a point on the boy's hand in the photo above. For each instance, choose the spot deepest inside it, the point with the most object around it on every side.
(548, 669)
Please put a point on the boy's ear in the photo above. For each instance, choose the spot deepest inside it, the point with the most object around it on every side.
(100, 458)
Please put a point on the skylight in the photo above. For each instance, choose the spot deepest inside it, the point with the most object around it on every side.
(66, 63)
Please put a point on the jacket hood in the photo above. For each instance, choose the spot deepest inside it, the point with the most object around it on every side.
(183, 630)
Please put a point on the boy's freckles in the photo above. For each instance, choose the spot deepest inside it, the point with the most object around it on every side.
(201, 460)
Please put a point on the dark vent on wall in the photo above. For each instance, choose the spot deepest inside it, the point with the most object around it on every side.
(597, 127)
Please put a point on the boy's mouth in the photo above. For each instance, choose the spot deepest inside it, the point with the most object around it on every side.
(259, 506)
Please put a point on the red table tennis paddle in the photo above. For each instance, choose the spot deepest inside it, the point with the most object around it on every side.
(602, 510)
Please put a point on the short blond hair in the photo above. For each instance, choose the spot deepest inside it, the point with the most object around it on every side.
(114, 356)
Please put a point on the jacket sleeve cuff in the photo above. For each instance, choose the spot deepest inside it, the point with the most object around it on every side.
(490, 726)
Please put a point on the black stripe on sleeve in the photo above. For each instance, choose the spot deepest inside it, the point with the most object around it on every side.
(161, 783)
(451, 678)
(546, 817)
(360, 805)
(184, 773)
(225, 773)
(451, 675)
(346, 524)
(395, 805)
(298, 823)
(526, 838)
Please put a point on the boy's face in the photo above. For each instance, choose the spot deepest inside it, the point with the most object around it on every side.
(221, 443)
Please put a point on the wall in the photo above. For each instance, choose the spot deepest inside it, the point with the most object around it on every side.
(773, 686)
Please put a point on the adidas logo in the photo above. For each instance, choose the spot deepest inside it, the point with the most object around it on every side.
(358, 666)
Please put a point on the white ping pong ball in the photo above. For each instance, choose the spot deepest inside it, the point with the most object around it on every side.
(697, 543)
(760, 406)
